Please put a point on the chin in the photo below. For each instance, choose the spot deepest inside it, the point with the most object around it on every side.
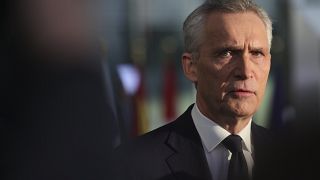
(243, 114)
(243, 110)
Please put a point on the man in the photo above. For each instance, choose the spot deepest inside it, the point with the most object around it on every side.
(227, 57)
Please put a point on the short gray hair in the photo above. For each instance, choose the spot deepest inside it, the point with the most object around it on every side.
(194, 23)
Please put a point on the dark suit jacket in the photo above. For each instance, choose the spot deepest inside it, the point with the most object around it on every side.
(172, 152)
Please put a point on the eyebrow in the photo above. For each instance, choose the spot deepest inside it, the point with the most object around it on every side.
(256, 49)
(237, 48)
(228, 47)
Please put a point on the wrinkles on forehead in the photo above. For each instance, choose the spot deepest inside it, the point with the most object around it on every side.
(223, 29)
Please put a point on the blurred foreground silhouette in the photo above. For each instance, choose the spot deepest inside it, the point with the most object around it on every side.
(57, 120)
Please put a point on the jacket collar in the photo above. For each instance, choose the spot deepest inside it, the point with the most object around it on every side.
(188, 161)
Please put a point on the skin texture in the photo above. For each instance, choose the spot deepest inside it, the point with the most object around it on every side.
(232, 69)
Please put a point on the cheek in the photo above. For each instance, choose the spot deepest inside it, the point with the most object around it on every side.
(262, 85)
(209, 80)
(262, 74)
(264, 69)
(223, 87)
(213, 77)
(206, 73)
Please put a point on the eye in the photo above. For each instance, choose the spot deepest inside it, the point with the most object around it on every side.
(225, 54)
(257, 53)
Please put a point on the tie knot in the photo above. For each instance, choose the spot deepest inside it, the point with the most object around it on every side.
(233, 143)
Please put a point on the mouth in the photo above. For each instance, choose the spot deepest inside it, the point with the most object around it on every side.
(242, 93)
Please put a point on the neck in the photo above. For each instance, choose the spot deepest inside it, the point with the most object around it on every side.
(235, 125)
(231, 123)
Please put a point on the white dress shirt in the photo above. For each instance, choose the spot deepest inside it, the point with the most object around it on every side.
(217, 155)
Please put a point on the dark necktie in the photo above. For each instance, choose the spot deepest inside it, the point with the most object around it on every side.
(238, 169)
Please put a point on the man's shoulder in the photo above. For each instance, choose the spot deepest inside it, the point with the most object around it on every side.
(261, 132)
(146, 154)
(263, 140)
(154, 138)
(161, 134)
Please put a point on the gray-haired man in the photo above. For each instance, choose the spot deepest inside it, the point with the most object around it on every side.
(227, 57)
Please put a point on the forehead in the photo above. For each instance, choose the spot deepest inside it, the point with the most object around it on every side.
(238, 27)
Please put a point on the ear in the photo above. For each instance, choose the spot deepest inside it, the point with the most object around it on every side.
(189, 66)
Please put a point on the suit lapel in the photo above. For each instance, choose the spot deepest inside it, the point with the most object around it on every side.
(261, 138)
(262, 141)
(187, 161)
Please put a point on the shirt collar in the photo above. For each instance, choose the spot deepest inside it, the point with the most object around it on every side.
(212, 134)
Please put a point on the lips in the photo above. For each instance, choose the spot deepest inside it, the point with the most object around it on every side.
(242, 92)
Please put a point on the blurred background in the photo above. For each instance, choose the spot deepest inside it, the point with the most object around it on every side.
(144, 45)
(78, 77)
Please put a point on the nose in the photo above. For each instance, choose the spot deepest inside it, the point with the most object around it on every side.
(244, 67)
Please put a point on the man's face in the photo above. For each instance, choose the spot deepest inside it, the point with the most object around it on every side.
(232, 70)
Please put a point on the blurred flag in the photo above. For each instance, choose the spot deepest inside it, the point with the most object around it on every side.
(133, 82)
(169, 91)
(140, 105)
